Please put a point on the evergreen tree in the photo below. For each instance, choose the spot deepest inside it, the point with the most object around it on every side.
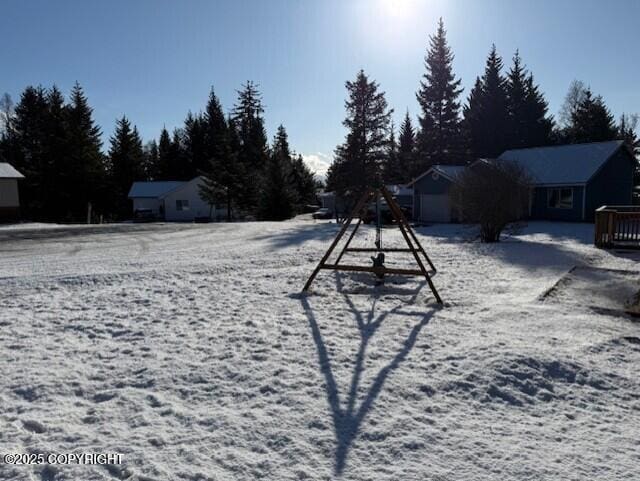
(358, 161)
(407, 150)
(591, 121)
(127, 163)
(163, 167)
(194, 143)
(151, 160)
(392, 172)
(627, 131)
(87, 164)
(179, 168)
(222, 180)
(253, 150)
(27, 151)
(439, 136)
(486, 114)
(278, 197)
(304, 183)
(528, 124)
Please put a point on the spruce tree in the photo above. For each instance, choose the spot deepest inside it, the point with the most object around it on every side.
(392, 172)
(407, 150)
(221, 175)
(163, 168)
(151, 160)
(591, 121)
(439, 136)
(486, 114)
(278, 197)
(127, 163)
(253, 150)
(304, 183)
(527, 124)
(358, 161)
(627, 131)
(194, 142)
(87, 162)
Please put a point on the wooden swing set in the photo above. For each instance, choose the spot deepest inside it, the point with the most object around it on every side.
(378, 268)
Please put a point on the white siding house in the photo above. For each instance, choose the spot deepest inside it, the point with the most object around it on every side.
(172, 201)
(9, 196)
(185, 204)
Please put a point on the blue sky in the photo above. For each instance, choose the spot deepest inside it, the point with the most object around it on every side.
(156, 60)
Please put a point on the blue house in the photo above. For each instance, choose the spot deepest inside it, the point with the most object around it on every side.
(572, 181)
(569, 181)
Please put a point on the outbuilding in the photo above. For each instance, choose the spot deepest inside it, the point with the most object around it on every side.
(9, 193)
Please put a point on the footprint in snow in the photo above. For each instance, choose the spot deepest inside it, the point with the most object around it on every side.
(34, 426)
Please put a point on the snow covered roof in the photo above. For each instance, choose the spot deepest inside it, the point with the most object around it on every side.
(153, 189)
(7, 171)
(564, 164)
(448, 171)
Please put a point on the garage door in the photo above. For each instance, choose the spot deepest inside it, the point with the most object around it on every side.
(435, 208)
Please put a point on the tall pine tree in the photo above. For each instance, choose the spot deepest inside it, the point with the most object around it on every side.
(439, 138)
(222, 176)
(591, 121)
(486, 113)
(88, 171)
(126, 158)
(253, 150)
(358, 161)
(527, 124)
(278, 197)
(407, 150)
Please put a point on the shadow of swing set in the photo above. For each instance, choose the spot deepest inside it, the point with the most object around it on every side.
(378, 268)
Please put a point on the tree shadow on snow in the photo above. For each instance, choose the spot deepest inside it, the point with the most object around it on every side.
(348, 417)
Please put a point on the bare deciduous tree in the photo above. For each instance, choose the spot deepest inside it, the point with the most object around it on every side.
(493, 194)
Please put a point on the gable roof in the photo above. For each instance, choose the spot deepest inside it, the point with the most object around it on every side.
(153, 189)
(564, 164)
(450, 172)
(7, 171)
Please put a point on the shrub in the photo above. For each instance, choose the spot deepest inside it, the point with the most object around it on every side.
(492, 194)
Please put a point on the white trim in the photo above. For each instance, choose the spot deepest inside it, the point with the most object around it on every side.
(434, 168)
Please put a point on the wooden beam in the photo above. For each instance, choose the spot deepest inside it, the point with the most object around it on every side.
(375, 249)
(376, 270)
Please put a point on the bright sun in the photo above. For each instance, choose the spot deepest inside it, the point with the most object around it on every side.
(397, 8)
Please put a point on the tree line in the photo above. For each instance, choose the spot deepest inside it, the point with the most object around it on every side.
(504, 110)
(57, 145)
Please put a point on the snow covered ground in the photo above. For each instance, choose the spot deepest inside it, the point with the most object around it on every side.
(189, 349)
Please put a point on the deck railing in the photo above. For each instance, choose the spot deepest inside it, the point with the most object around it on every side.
(617, 226)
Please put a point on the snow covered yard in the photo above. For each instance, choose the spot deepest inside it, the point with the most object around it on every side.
(189, 349)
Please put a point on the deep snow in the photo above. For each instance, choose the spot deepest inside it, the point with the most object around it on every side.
(189, 349)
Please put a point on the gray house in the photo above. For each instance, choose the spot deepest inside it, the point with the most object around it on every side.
(9, 196)
(569, 181)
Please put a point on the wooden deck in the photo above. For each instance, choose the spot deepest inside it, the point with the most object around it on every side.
(617, 226)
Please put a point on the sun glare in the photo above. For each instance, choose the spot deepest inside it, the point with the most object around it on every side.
(397, 8)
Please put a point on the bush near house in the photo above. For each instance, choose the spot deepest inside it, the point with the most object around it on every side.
(493, 194)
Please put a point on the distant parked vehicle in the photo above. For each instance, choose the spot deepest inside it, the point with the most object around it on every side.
(322, 213)
(143, 215)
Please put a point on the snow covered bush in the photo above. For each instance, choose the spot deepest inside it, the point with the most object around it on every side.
(492, 194)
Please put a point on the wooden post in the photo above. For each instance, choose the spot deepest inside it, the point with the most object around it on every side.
(344, 249)
(88, 212)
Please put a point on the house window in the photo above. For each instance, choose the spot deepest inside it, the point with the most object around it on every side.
(560, 198)
(182, 205)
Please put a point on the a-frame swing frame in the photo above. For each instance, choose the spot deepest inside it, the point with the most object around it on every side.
(413, 244)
